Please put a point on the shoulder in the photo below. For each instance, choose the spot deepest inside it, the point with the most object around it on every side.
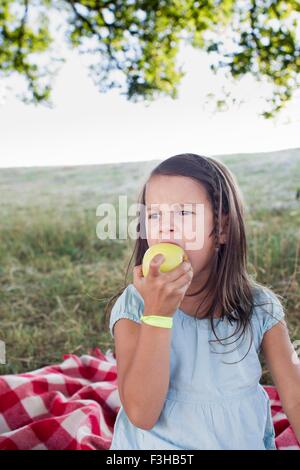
(268, 310)
(129, 304)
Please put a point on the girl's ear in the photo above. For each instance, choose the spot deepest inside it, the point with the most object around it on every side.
(223, 233)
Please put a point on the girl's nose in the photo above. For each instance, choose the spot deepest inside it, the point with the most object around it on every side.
(167, 228)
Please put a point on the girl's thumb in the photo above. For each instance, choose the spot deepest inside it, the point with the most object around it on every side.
(154, 266)
(157, 259)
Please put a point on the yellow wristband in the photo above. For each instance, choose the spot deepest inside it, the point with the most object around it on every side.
(158, 320)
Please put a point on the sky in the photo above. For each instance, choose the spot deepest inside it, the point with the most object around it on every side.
(89, 127)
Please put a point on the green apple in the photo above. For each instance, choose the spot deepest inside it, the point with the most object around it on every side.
(174, 255)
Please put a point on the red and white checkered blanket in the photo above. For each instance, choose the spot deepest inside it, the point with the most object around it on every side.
(73, 405)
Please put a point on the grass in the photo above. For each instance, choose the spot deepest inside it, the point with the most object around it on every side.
(56, 275)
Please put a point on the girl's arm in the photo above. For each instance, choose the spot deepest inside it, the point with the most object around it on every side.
(143, 351)
(143, 366)
(282, 361)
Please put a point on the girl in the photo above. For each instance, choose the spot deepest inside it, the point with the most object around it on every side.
(176, 389)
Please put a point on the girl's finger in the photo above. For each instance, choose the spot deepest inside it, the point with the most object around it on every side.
(177, 272)
(137, 272)
(183, 280)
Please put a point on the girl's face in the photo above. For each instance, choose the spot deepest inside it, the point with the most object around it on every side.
(178, 210)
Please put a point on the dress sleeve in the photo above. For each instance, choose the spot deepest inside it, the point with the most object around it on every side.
(129, 305)
(274, 315)
(269, 311)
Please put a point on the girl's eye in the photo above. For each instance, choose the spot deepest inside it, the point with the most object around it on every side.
(188, 212)
(150, 216)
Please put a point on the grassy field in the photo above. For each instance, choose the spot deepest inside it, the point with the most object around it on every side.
(56, 275)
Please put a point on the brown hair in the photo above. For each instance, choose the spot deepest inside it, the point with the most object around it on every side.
(229, 284)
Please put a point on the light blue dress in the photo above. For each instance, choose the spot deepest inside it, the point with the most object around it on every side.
(209, 404)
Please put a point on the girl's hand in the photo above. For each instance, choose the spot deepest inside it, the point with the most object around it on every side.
(162, 291)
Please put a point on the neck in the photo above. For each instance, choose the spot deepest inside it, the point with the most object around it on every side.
(191, 304)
